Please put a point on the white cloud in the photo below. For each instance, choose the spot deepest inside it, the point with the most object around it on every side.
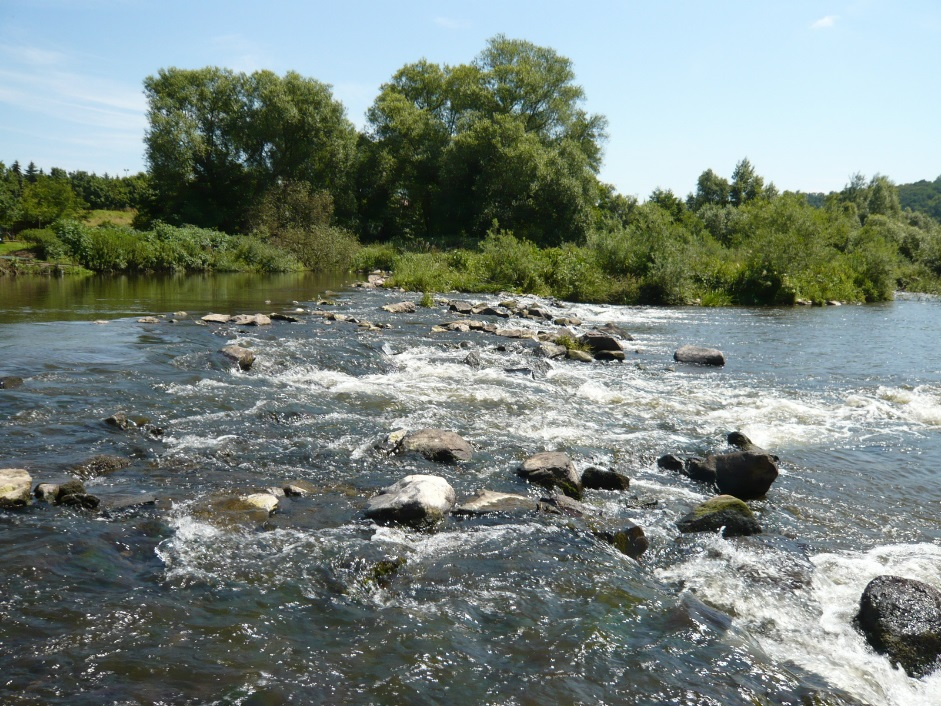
(824, 22)
(451, 23)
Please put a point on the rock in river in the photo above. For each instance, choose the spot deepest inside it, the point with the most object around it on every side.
(901, 618)
(604, 479)
(15, 487)
(722, 512)
(242, 356)
(488, 501)
(437, 445)
(699, 356)
(745, 474)
(552, 469)
(417, 501)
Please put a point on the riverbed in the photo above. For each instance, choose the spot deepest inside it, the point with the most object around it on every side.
(154, 604)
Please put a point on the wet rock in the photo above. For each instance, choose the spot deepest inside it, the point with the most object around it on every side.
(101, 465)
(614, 330)
(463, 308)
(550, 350)
(564, 505)
(610, 355)
(46, 492)
(741, 442)
(598, 342)
(579, 356)
(417, 501)
(723, 512)
(119, 420)
(552, 469)
(149, 320)
(401, 308)
(284, 317)
(525, 372)
(299, 488)
(15, 486)
(514, 333)
(216, 318)
(437, 445)
(745, 474)
(699, 356)
(228, 510)
(73, 487)
(10, 382)
(473, 360)
(383, 572)
(627, 537)
(595, 478)
(266, 502)
(488, 501)
(567, 321)
(251, 320)
(391, 441)
(125, 501)
(243, 356)
(81, 501)
(535, 312)
(670, 462)
(901, 618)
(701, 469)
(487, 310)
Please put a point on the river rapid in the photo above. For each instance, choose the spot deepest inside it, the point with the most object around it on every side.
(155, 604)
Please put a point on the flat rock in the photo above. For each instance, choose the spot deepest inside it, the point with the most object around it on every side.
(552, 469)
(547, 349)
(217, 318)
(437, 445)
(723, 512)
(610, 355)
(699, 356)
(15, 487)
(579, 356)
(563, 505)
(488, 501)
(299, 488)
(901, 618)
(417, 501)
(461, 307)
(101, 465)
(149, 320)
(243, 356)
(251, 320)
(401, 308)
(614, 330)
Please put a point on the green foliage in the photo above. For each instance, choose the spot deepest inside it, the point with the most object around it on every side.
(380, 256)
(427, 301)
(923, 196)
(45, 243)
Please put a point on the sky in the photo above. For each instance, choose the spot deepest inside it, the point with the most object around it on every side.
(811, 92)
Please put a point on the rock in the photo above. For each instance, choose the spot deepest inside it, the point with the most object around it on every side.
(124, 501)
(610, 355)
(10, 382)
(745, 474)
(284, 317)
(243, 356)
(552, 469)
(101, 465)
(741, 442)
(401, 308)
(580, 356)
(383, 572)
(550, 350)
(391, 440)
(595, 478)
(563, 505)
(699, 356)
(228, 510)
(614, 330)
(901, 618)
(15, 486)
(437, 445)
(266, 502)
(500, 311)
(417, 500)
(46, 492)
(73, 487)
(217, 318)
(535, 312)
(299, 488)
(514, 333)
(525, 372)
(701, 469)
(148, 320)
(670, 462)
(598, 342)
(567, 321)
(625, 536)
(119, 420)
(251, 320)
(723, 512)
(473, 360)
(488, 501)
(463, 308)
(83, 501)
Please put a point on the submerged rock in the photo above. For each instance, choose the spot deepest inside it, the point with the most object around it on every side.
(298, 488)
(101, 465)
(10, 382)
(239, 509)
(119, 420)
(15, 486)
(416, 500)
(699, 356)
(437, 445)
(627, 537)
(901, 618)
(488, 501)
(722, 512)
(243, 356)
(149, 320)
(552, 469)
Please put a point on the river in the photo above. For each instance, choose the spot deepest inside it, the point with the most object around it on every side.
(154, 604)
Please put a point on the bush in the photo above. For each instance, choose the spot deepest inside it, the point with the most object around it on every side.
(380, 256)
(45, 244)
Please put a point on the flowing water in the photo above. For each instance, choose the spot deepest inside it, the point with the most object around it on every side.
(155, 604)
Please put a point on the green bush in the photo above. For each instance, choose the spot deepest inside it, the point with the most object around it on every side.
(45, 244)
(378, 256)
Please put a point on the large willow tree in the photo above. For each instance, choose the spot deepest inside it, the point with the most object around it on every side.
(219, 140)
(451, 149)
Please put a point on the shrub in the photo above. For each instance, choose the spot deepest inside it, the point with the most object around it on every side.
(45, 244)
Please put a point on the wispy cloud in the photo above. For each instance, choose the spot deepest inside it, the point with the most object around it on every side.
(451, 23)
(825, 22)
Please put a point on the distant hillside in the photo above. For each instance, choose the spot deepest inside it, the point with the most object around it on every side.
(924, 196)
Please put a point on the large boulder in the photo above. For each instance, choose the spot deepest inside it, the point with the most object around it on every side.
(745, 474)
(552, 469)
(418, 501)
(699, 356)
(901, 618)
(15, 487)
(437, 445)
(722, 512)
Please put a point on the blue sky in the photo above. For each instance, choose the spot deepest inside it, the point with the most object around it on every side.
(811, 92)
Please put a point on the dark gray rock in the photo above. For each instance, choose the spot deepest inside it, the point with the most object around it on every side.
(463, 308)
(437, 445)
(82, 501)
(701, 469)
(722, 512)
(552, 469)
(745, 474)
(417, 501)
(699, 356)
(547, 349)
(598, 342)
(610, 355)
(10, 382)
(473, 360)
(595, 478)
(101, 465)
(119, 420)
(741, 442)
(563, 505)
(901, 618)
(670, 462)
(626, 536)
(614, 330)
(500, 311)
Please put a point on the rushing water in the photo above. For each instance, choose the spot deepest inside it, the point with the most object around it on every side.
(156, 605)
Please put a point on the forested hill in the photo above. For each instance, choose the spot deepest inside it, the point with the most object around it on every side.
(924, 196)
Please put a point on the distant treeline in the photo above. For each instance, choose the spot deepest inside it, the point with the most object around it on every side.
(484, 176)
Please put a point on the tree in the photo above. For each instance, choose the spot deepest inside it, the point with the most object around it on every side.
(883, 197)
(746, 184)
(48, 199)
(710, 189)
